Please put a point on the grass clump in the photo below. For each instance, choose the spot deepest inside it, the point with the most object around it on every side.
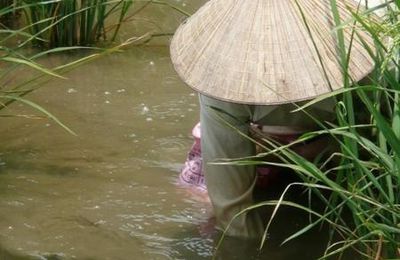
(74, 22)
(362, 205)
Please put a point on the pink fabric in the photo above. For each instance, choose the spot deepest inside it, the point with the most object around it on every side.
(192, 171)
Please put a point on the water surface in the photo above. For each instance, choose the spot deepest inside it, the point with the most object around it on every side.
(111, 192)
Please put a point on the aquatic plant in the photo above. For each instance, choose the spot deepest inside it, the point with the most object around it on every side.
(56, 23)
(361, 190)
(73, 22)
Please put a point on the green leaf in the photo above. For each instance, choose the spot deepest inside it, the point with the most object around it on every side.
(41, 109)
(32, 65)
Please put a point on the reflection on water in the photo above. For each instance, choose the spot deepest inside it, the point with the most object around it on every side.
(111, 192)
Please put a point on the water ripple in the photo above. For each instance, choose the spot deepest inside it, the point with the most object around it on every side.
(200, 246)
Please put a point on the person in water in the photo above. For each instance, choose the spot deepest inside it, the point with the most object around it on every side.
(254, 62)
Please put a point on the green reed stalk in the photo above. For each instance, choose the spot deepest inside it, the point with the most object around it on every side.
(58, 23)
(73, 22)
(126, 5)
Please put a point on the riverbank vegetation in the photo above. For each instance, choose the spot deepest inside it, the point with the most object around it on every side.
(363, 203)
(71, 23)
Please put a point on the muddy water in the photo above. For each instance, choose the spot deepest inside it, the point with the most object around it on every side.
(111, 192)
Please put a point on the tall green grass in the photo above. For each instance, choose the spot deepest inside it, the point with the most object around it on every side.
(362, 206)
(74, 22)
(61, 23)
(361, 190)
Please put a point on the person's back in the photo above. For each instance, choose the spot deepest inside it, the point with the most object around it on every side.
(250, 60)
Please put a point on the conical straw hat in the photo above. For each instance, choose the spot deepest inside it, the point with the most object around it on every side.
(262, 52)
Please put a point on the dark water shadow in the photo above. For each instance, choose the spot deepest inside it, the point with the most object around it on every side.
(288, 220)
(29, 161)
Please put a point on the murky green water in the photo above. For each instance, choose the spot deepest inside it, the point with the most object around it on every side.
(112, 192)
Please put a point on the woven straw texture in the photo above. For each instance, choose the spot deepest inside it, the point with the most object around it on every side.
(261, 52)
